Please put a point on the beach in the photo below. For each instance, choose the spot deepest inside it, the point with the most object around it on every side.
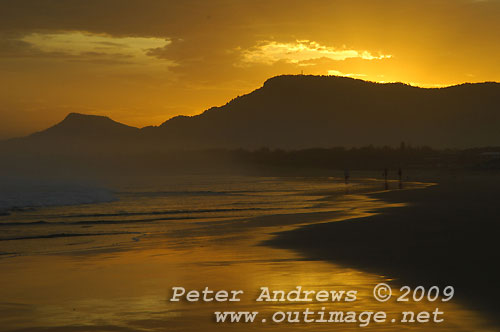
(445, 234)
(111, 266)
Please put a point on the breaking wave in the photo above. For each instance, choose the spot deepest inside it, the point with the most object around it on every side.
(23, 194)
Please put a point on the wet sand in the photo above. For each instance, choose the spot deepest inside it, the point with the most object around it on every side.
(446, 234)
(127, 288)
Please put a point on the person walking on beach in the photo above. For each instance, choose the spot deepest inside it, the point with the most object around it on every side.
(400, 175)
(346, 176)
(386, 173)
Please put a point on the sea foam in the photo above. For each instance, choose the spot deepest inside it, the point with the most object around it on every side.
(21, 194)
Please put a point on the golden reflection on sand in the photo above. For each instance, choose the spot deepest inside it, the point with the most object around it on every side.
(130, 290)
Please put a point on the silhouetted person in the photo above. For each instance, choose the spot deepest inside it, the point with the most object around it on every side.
(346, 176)
(386, 173)
(400, 175)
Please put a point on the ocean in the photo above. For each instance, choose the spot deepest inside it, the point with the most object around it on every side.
(69, 217)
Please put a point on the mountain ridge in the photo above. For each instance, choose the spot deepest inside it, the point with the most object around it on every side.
(304, 111)
(78, 123)
(280, 77)
(300, 106)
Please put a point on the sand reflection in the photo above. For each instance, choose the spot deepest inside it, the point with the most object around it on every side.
(129, 290)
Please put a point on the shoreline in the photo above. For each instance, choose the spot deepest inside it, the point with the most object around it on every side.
(227, 254)
(445, 235)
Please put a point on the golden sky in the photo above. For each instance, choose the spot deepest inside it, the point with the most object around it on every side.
(144, 61)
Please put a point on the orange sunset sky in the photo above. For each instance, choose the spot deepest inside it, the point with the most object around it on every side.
(144, 61)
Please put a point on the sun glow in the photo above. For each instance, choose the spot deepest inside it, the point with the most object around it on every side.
(269, 52)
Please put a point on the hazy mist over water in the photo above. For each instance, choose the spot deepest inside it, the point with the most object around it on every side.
(40, 212)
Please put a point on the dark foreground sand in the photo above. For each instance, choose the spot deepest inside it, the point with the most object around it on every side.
(447, 235)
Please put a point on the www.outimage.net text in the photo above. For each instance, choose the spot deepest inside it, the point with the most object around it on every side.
(381, 292)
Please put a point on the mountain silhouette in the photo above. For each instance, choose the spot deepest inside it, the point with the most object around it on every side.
(77, 133)
(302, 111)
(82, 127)
(317, 111)
(87, 127)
